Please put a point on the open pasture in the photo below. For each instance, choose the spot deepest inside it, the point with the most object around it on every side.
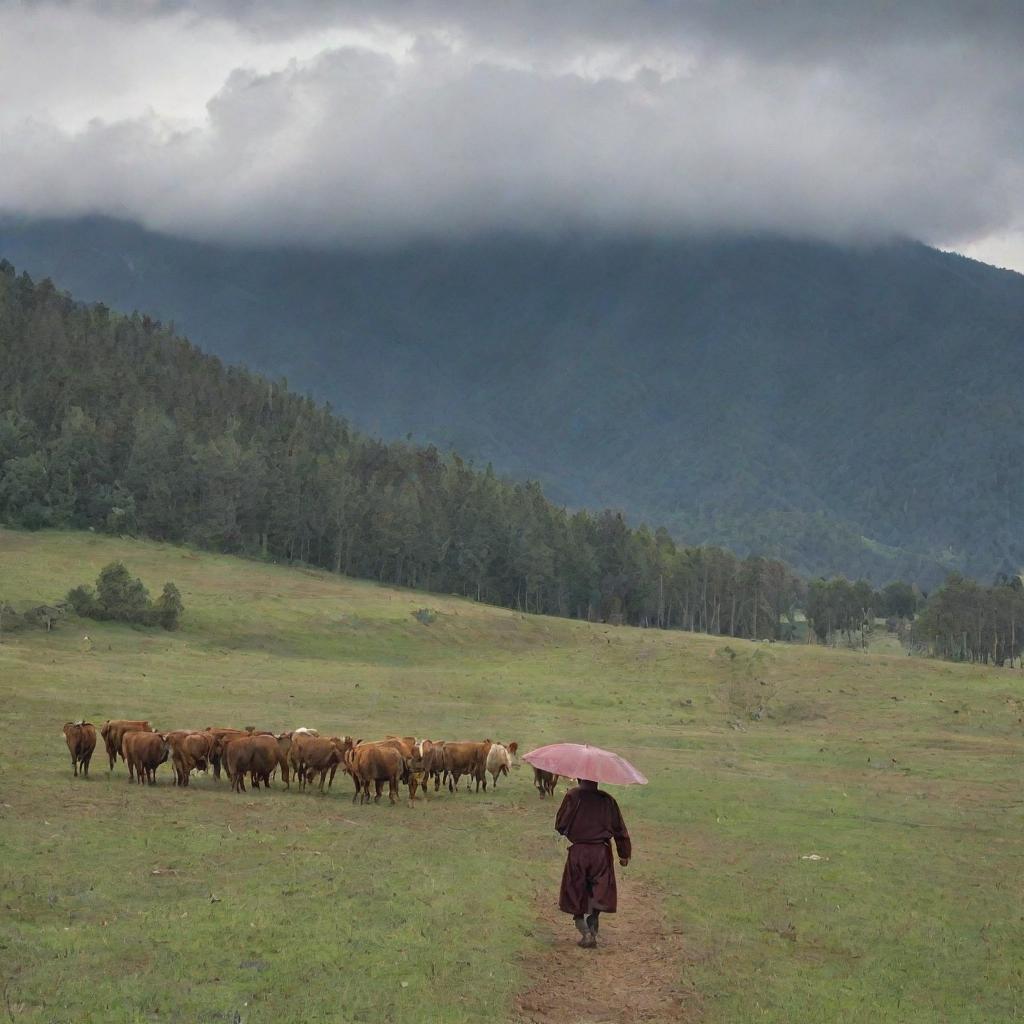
(126, 903)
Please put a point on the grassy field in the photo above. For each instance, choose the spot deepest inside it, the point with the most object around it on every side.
(155, 904)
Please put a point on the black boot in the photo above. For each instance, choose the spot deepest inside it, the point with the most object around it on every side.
(587, 939)
(593, 922)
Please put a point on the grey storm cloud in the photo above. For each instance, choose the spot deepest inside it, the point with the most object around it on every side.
(312, 122)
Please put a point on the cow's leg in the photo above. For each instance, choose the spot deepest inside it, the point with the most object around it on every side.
(74, 762)
(392, 790)
(86, 764)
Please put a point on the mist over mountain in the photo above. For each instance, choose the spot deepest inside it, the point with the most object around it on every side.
(850, 410)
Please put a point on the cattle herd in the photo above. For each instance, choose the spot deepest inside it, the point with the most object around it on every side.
(302, 755)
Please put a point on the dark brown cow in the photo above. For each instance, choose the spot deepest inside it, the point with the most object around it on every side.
(144, 752)
(545, 782)
(377, 763)
(417, 774)
(190, 751)
(217, 753)
(344, 745)
(81, 740)
(113, 732)
(316, 755)
(431, 755)
(257, 755)
(466, 758)
(299, 742)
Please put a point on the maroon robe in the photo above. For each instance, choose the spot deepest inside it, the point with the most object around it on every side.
(590, 818)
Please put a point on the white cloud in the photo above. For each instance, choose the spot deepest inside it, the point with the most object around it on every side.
(299, 123)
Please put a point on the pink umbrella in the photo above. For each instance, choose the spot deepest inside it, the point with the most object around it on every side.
(582, 761)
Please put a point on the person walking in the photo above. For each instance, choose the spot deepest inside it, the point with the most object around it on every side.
(590, 819)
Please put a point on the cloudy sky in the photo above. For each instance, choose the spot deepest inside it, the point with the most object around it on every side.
(305, 121)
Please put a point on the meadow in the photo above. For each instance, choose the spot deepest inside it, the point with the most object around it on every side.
(833, 834)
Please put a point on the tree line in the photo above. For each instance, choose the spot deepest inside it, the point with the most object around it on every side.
(115, 423)
(965, 621)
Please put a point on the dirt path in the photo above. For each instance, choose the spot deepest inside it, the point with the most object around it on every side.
(633, 976)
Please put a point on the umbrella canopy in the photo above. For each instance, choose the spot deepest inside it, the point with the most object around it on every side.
(582, 761)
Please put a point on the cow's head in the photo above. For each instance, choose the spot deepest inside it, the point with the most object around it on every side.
(342, 744)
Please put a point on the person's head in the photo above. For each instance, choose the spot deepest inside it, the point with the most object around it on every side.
(587, 784)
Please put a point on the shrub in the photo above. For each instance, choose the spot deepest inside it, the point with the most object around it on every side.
(83, 601)
(169, 606)
(121, 598)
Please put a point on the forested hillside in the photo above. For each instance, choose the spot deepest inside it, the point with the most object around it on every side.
(848, 410)
(114, 423)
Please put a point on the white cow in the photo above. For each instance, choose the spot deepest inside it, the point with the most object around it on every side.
(499, 761)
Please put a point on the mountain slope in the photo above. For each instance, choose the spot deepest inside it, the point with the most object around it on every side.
(848, 410)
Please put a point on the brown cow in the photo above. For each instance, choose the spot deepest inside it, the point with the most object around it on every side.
(258, 755)
(113, 732)
(217, 753)
(317, 755)
(344, 745)
(376, 763)
(466, 758)
(81, 740)
(404, 743)
(190, 751)
(431, 754)
(418, 767)
(299, 741)
(144, 752)
(545, 782)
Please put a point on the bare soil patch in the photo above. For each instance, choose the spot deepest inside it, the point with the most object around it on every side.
(633, 976)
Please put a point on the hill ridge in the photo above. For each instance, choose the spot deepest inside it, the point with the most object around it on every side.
(781, 397)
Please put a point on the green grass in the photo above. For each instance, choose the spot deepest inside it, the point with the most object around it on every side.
(129, 904)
